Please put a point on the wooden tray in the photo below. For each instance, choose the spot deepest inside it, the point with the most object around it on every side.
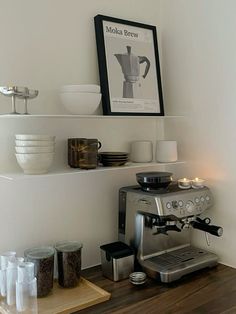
(67, 301)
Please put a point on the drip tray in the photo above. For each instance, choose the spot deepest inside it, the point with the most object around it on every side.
(173, 265)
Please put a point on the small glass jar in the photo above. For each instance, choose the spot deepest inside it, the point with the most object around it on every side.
(198, 183)
(184, 183)
(69, 263)
(43, 259)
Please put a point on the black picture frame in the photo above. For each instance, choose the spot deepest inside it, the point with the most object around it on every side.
(114, 34)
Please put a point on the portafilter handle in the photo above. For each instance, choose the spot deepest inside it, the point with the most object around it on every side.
(203, 226)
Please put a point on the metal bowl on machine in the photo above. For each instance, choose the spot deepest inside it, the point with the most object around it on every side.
(154, 180)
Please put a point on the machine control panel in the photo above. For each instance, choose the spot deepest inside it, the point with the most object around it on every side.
(194, 202)
(180, 203)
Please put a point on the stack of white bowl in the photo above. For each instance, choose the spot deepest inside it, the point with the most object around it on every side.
(34, 152)
(81, 99)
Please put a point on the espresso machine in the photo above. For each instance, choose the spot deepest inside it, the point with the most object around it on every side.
(155, 219)
(130, 65)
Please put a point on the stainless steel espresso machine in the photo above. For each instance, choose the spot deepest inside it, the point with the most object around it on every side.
(155, 219)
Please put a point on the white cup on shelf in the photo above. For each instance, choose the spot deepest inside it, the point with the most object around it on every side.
(141, 151)
(166, 151)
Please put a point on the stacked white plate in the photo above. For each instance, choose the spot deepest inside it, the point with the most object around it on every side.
(81, 99)
(34, 152)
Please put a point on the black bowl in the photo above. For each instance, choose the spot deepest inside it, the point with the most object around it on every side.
(154, 180)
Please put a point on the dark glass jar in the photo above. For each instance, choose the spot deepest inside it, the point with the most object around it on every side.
(43, 259)
(69, 263)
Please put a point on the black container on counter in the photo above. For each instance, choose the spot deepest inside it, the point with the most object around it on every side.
(117, 260)
(69, 263)
(43, 259)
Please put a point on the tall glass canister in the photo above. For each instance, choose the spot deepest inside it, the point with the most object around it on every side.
(43, 259)
(69, 263)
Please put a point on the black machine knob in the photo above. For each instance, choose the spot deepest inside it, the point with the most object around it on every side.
(189, 207)
(175, 204)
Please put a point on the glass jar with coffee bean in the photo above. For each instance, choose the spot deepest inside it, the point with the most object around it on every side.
(43, 259)
(69, 263)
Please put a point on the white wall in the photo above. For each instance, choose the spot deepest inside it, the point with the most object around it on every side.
(42, 210)
(199, 70)
(45, 44)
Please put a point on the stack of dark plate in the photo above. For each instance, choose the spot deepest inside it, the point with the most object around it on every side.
(113, 159)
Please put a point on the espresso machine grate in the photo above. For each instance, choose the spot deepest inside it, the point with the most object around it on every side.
(177, 257)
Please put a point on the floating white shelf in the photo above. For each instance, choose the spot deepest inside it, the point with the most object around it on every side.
(72, 171)
(20, 116)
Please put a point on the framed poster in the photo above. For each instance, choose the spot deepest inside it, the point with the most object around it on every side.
(129, 67)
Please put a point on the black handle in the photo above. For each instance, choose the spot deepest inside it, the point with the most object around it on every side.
(143, 59)
(215, 230)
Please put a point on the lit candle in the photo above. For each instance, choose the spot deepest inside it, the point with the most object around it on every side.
(198, 183)
(184, 183)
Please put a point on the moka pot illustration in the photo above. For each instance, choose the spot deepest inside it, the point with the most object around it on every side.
(130, 65)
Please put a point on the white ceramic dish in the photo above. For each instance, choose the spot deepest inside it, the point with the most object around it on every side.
(34, 137)
(34, 149)
(35, 163)
(34, 143)
(81, 103)
(92, 88)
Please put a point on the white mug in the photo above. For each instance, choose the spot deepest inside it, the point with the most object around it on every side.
(166, 151)
(141, 151)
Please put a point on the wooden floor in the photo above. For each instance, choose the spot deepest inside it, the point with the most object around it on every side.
(205, 292)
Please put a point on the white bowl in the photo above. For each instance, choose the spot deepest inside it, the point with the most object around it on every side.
(34, 143)
(35, 163)
(34, 149)
(81, 103)
(92, 88)
(34, 137)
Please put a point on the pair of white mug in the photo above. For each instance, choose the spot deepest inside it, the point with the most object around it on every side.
(142, 151)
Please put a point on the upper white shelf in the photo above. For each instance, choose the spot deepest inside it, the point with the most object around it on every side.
(73, 171)
(28, 116)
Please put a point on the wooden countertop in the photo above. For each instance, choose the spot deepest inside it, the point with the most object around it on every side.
(205, 292)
